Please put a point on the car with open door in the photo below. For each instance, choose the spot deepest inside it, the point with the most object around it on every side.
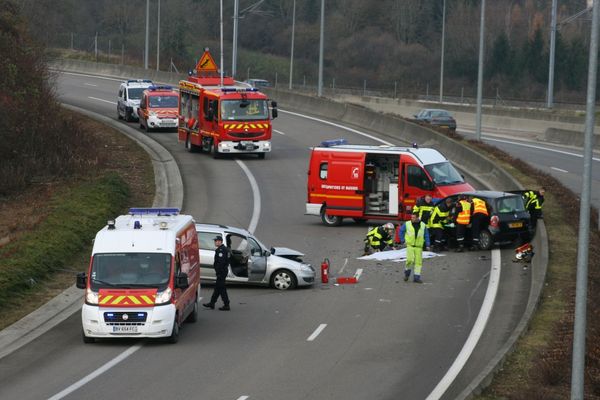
(251, 262)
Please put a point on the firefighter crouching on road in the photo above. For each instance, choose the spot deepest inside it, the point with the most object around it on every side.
(533, 203)
(379, 238)
(479, 220)
(415, 235)
(462, 219)
(440, 217)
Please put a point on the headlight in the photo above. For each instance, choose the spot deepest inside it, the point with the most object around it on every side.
(164, 296)
(91, 297)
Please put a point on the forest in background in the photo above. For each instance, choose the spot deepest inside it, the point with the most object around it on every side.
(382, 44)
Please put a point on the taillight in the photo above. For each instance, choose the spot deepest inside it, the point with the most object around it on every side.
(494, 221)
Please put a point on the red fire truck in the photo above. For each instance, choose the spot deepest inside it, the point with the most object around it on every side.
(221, 115)
(375, 182)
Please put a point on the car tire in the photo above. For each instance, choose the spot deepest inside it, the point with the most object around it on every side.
(128, 116)
(193, 317)
(215, 149)
(87, 339)
(189, 146)
(330, 220)
(174, 338)
(485, 240)
(206, 145)
(283, 279)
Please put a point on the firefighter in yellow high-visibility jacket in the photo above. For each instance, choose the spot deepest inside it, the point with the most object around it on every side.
(415, 235)
(379, 238)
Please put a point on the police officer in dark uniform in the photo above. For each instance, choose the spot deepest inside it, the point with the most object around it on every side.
(221, 265)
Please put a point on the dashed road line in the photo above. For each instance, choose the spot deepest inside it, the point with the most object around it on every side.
(106, 101)
(281, 133)
(316, 332)
(559, 169)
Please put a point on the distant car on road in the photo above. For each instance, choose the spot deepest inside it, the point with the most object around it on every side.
(258, 83)
(437, 117)
(251, 261)
(128, 99)
(509, 220)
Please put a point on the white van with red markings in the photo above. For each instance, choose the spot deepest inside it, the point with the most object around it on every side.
(375, 182)
(144, 276)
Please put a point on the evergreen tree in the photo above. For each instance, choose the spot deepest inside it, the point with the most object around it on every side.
(501, 59)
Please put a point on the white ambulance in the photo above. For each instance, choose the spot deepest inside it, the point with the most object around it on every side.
(144, 276)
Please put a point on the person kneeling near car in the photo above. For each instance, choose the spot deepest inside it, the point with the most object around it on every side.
(379, 238)
(415, 235)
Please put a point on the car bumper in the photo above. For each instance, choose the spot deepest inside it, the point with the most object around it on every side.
(133, 111)
(154, 122)
(159, 321)
(313, 209)
(261, 146)
(305, 278)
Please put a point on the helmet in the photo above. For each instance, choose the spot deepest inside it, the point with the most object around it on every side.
(388, 226)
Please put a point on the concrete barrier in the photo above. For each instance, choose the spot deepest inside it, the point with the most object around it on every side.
(568, 137)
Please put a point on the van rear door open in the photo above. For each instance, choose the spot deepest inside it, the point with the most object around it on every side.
(340, 183)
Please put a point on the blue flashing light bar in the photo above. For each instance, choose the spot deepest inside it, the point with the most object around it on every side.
(333, 142)
(238, 89)
(153, 211)
(160, 87)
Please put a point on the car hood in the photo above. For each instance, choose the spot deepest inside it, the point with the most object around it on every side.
(285, 252)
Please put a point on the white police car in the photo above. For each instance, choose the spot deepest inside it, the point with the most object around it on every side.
(128, 99)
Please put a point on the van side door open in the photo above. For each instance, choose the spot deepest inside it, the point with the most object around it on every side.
(341, 184)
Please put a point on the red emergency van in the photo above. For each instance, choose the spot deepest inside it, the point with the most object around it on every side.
(375, 182)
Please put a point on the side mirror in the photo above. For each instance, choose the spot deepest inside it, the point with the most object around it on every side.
(181, 281)
(81, 281)
(266, 253)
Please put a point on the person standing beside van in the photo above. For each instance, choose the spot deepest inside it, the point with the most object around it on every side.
(462, 219)
(221, 265)
(415, 235)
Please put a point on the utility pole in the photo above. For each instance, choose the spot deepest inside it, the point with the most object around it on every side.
(158, 39)
(550, 95)
(96, 47)
(147, 33)
(236, 17)
(442, 58)
(480, 73)
(321, 40)
(578, 368)
(221, 24)
(292, 49)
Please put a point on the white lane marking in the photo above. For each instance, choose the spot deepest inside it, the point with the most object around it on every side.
(559, 169)
(89, 76)
(106, 101)
(358, 273)
(255, 195)
(243, 397)
(343, 266)
(316, 333)
(476, 332)
(90, 84)
(97, 372)
(568, 153)
(338, 126)
(281, 133)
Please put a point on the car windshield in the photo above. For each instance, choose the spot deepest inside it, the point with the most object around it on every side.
(510, 204)
(444, 174)
(244, 110)
(164, 101)
(440, 114)
(135, 93)
(130, 270)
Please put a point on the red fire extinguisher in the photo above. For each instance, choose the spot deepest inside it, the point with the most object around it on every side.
(325, 271)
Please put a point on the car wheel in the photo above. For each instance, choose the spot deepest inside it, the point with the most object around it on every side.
(174, 338)
(206, 145)
(485, 240)
(189, 146)
(193, 317)
(128, 116)
(330, 220)
(216, 154)
(87, 339)
(283, 279)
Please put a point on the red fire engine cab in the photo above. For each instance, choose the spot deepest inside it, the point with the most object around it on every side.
(375, 182)
(221, 115)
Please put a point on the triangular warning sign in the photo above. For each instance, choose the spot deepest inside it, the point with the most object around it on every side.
(206, 63)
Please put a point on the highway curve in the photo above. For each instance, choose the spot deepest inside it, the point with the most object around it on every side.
(379, 339)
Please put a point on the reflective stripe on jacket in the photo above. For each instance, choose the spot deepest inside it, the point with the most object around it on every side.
(423, 210)
(376, 237)
(479, 207)
(438, 217)
(532, 200)
(464, 217)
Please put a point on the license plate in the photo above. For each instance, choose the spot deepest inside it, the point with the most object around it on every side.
(515, 225)
(125, 329)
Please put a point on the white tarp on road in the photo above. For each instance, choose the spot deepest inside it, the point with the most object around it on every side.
(396, 255)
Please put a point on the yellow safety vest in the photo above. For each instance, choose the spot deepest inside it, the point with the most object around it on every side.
(438, 217)
(464, 217)
(410, 238)
(532, 198)
(479, 207)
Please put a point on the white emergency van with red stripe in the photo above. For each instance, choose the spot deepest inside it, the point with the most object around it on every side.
(144, 276)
